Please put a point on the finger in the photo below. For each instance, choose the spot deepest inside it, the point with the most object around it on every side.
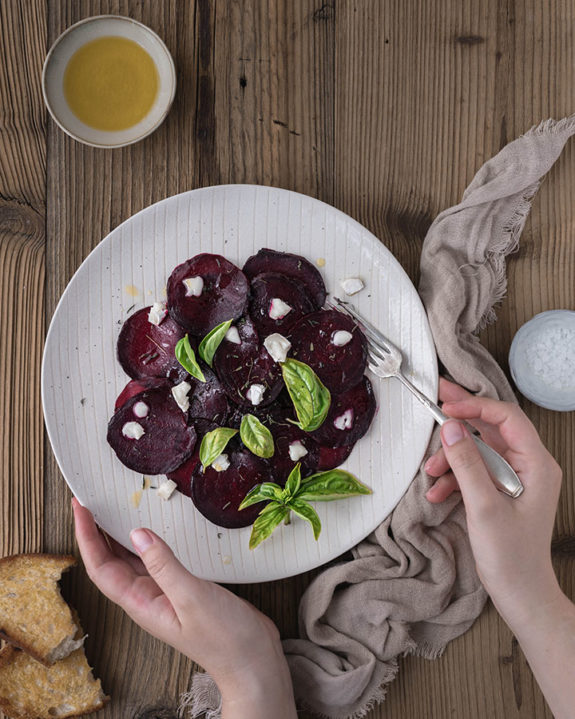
(113, 576)
(451, 392)
(474, 481)
(122, 553)
(442, 488)
(514, 426)
(437, 464)
(170, 575)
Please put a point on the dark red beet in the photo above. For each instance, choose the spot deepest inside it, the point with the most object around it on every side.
(284, 433)
(331, 457)
(217, 495)
(147, 350)
(182, 476)
(293, 266)
(168, 440)
(269, 286)
(339, 368)
(224, 295)
(208, 399)
(239, 366)
(135, 386)
(357, 406)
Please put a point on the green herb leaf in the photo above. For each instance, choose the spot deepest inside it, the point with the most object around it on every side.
(330, 485)
(261, 493)
(307, 512)
(211, 342)
(292, 483)
(187, 358)
(214, 443)
(256, 436)
(309, 396)
(266, 521)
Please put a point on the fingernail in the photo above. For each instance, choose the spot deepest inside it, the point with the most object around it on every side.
(452, 432)
(429, 464)
(141, 539)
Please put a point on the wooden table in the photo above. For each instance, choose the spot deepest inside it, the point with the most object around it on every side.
(384, 109)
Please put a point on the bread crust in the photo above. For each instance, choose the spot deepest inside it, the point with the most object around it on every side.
(38, 561)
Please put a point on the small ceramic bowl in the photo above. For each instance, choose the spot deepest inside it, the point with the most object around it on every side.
(542, 360)
(74, 38)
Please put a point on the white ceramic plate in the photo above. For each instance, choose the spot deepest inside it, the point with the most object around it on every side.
(76, 37)
(128, 270)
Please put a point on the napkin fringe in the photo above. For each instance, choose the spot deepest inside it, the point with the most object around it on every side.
(204, 698)
(566, 124)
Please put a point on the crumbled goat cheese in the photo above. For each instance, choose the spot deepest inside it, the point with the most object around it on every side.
(141, 409)
(255, 393)
(221, 463)
(352, 285)
(194, 286)
(277, 346)
(296, 451)
(232, 335)
(345, 420)
(157, 313)
(278, 309)
(180, 394)
(166, 489)
(341, 338)
(133, 430)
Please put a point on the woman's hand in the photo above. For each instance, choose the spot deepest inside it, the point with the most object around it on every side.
(238, 645)
(510, 538)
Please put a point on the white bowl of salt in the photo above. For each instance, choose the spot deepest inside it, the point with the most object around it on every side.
(542, 360)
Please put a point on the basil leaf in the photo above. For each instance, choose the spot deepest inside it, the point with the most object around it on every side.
(212, 341)
(256, 436)
(266, 521)
(330, 485)
(261, 493)
(307, 512)
(309, 396)
(293, 482)
(214, 443)
(187, 358)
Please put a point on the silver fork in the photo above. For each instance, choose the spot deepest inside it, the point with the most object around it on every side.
(385, 360)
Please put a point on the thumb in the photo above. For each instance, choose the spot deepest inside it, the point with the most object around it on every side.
(169, 574)
(463, 457)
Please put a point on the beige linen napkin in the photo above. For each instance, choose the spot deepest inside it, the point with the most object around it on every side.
(411, 586)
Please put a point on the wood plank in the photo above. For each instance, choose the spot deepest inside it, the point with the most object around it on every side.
(22, 240)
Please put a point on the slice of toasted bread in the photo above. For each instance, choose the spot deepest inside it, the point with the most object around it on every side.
(33, 615)
(31, 690)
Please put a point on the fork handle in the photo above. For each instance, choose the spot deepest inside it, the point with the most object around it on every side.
(502, 473)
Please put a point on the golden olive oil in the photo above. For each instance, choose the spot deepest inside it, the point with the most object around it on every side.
(111, 83)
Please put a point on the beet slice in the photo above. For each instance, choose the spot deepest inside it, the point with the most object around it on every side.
(285, 433)
(339, 368)
(208, 400)
(182, 476)
(136, 386)
(239, 366)
(332, 457)
(269, 286)
(217, 495)
(289, 265)
(167, 441)
(147, 350)
(224, 295)
(354, 409)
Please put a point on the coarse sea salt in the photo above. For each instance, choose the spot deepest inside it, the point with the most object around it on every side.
(551, 357)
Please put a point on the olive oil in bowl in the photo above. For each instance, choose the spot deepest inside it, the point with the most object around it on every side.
(111, 83)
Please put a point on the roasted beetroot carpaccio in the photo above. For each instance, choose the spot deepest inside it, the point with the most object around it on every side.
(215, 353)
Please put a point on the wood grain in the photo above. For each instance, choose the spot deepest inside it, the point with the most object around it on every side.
(384, 108)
